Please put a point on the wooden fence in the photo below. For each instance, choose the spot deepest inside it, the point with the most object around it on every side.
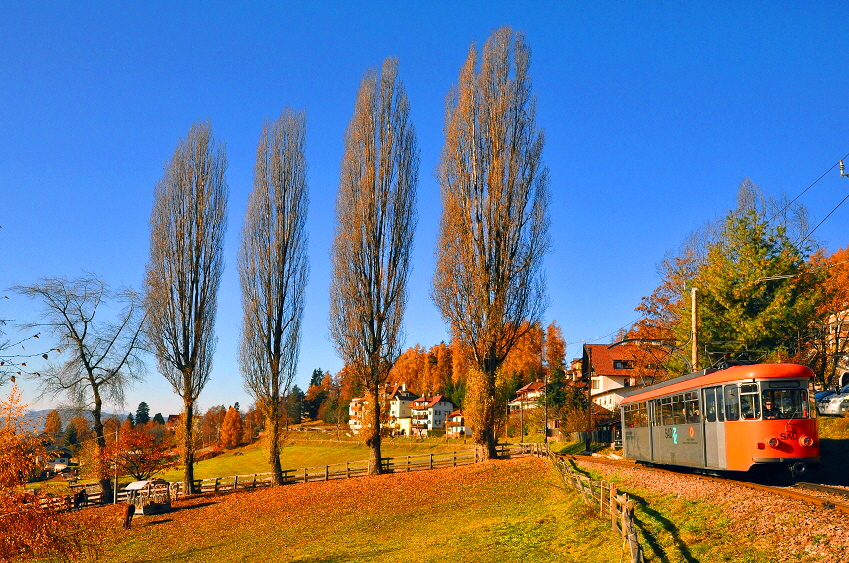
(611, 505)
(345, 470)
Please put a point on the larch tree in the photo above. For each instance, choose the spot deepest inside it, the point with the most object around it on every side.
(273, 271)
(231, 429)
(102, 359)
(53, 423)
(188, 223)
(489, 285)
(375, 222)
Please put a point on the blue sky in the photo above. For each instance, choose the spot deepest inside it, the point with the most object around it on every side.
(653, 113)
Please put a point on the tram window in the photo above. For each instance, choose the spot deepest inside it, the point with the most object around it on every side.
(749, 401)
(786, 403)
(666, 410)
(658, 421)
(732, 403)
(643, 411)
(720, 410)
(678, 414)
(710, 405)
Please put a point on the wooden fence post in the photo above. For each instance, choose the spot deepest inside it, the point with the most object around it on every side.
(613, 512)
(326, 472)
(236, 482)
(216, 483)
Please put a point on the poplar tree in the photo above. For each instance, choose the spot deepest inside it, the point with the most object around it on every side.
(273, 269)
(375, 222)
(188, 224)
(493, 234)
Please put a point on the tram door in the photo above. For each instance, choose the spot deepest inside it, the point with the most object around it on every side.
(714, 425)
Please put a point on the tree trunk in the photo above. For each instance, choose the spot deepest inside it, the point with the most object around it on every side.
(374, 465)
(272, 427)
(107, 494)
(188, 448)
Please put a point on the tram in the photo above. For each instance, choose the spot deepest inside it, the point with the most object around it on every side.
(734, 419)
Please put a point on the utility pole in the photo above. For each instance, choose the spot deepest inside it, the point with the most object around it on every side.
(694, 329)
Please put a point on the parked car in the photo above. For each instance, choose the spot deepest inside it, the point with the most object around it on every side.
(836, 403)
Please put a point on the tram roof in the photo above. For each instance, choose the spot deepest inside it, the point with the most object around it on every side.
(712, 376)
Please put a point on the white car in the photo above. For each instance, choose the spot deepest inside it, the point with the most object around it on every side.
(836, 404)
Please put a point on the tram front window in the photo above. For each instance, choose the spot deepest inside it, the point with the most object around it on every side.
(749, 403)
(785, 403)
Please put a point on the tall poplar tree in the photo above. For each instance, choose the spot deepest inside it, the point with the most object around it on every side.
(489, 284)
(375, 222)
(188, 224)
(273, 269)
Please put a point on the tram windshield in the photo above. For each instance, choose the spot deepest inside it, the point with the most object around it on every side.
(784, 403)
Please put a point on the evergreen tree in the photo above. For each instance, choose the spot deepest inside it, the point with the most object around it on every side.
(142, 413)
(158, 419)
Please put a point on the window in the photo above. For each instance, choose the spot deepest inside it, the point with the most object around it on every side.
(623, 364)
(691, 407)
(786, 403)
(595, 383)
(749, 401)
(710, 405)
(732, 403)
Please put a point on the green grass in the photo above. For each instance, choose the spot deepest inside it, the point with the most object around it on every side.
(304, 453)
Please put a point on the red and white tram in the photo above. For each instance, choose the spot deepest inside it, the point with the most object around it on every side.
(721, 419)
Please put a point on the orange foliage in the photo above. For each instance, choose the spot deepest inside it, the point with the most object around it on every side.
(34, 531)
(231, 429)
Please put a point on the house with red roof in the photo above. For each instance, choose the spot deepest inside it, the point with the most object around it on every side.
(456, 426)
(612, 372)
(527, 397)
(430, 413)
(397, 399)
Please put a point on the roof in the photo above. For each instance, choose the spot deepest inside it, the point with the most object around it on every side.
(530, 387)
(602, 356)
(429, 402)
(734, 373)
(397, 391)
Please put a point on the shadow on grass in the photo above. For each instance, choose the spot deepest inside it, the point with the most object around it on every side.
(154, 522)
(196, 553)
(193, 506)
(642, 521)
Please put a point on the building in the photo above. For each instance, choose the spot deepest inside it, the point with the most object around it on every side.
(612, 372)
(527, 397)
(456, 426)
(397, 400)
(430, 413)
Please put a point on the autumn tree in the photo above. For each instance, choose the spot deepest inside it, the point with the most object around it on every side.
(101, 358)
(137, 453)
(231, 429)
(188, 223)
(53, 423)
(211, 424)
(31, 531)
(375, 221)
(827, 347)
(273, 269)
(493, 234)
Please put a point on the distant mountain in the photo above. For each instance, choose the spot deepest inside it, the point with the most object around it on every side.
(38, 417)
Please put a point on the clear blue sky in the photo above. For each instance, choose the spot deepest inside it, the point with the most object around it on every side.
(653, 113)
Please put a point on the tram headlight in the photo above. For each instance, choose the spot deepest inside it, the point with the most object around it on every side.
(773, 442)
(806, 441)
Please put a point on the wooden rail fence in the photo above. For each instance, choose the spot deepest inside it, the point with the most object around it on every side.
(345, 470)
(611, 504)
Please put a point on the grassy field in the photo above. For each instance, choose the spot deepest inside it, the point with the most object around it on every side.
(297, 454)
(497, 511)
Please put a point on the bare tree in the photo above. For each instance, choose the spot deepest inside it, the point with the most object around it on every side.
(375, 222)
(273, 269)
(102, 359)
(494, 226)
(187, 229)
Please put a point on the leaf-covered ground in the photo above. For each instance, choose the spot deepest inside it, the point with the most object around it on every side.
(497, 511)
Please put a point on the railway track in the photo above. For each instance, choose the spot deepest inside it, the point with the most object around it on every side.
(823, 496)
